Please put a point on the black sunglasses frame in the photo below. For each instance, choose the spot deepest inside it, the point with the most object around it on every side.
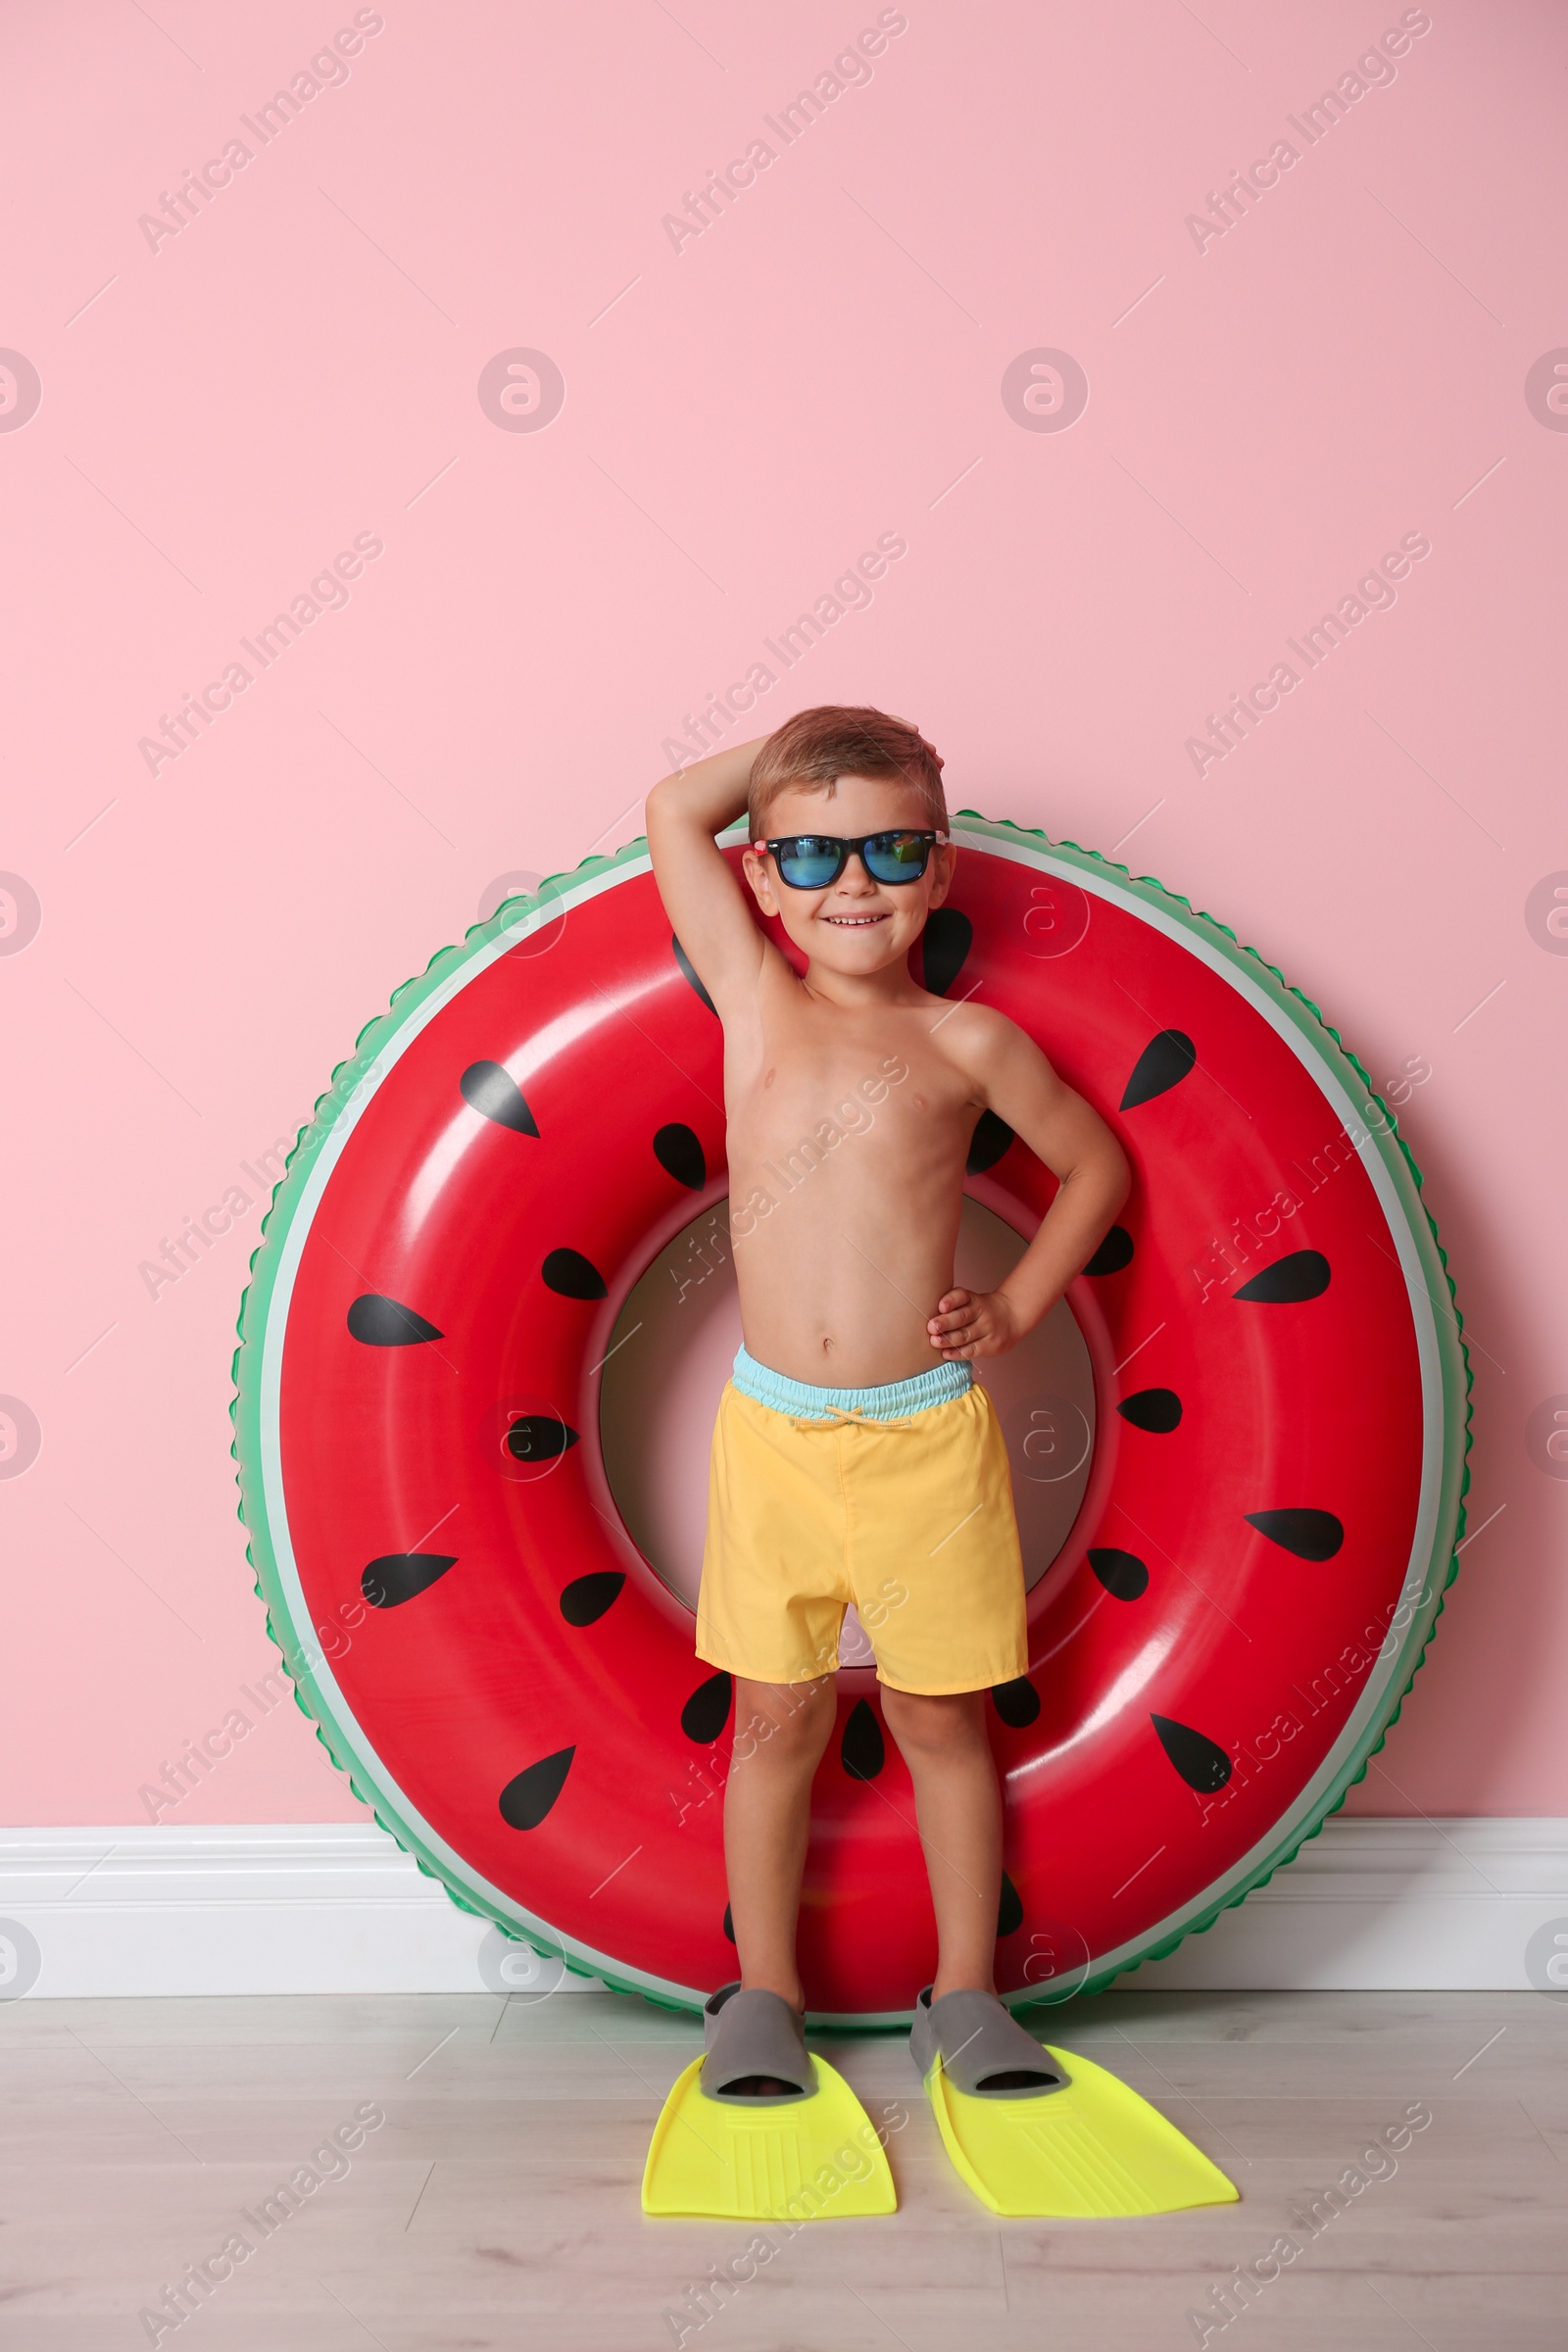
(848, 847)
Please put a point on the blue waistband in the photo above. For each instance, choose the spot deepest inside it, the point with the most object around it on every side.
(889, 1403)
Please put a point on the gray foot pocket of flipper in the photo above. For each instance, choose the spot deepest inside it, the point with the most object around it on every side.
(751, 2036)
(983, 2050)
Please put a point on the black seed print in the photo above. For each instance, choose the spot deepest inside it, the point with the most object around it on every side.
(1122, 1573)
(1115, 1253)
(1304, 1274)
(991, 1138)
(861, 1750)
(378, 1322)
(1311, 1534)
(729, 1924)
(1158, 1409)
(1201, 1765)
(539, 1438)
(572, 1276)
(1163, 1063)
(689, 974)
(397, 1576)
(945, 943)
(1018, 1703)
(526, 1800)
(706, 1711)
(1010, 1911)
(680, 1155)
(586, 1598)
(495, 1094)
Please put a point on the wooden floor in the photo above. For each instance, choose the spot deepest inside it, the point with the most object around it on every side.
(497, 2206)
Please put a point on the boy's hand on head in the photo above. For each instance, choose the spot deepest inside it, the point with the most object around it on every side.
(970, 1323)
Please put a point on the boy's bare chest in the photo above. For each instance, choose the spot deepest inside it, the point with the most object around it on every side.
(814, 1077)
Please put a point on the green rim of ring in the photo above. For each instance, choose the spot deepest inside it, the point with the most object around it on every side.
(364, 1773)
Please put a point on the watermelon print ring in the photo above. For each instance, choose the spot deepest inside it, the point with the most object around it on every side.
(1269, 1515)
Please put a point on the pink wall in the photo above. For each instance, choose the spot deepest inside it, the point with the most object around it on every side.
(227, 407)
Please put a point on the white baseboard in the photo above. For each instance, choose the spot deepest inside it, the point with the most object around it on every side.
(1386, 1906)
(300, 1907)
(1371, 1905)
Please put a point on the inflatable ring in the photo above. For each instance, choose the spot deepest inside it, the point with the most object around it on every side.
(1258, 1563)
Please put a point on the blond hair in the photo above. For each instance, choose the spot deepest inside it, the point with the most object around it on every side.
(815, 748)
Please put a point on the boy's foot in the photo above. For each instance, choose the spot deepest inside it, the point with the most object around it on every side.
(742, 2164)
(756, 2048)
(1037, 2130)
(982, 2048)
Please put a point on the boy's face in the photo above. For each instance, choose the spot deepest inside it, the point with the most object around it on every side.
(856, 925)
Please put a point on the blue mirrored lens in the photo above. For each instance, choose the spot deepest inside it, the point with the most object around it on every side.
(808, 863)
(896, 857)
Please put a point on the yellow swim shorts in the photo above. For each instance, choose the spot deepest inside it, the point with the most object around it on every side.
(898, 1499)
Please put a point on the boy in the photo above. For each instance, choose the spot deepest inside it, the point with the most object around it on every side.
(854, 1456)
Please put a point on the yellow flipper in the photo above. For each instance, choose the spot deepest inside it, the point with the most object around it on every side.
(815, 2160)
(1092, 2150)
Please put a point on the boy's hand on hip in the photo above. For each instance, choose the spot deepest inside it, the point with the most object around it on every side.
(970, 1323)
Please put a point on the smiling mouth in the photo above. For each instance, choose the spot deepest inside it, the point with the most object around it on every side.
(854, 922)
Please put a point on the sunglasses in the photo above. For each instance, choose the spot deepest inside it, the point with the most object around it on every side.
(813, 860)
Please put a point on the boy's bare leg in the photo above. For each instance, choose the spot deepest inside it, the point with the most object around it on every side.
(780, 1731)
(943, 1740)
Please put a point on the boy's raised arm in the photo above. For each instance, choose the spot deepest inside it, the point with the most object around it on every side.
(702, 896)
